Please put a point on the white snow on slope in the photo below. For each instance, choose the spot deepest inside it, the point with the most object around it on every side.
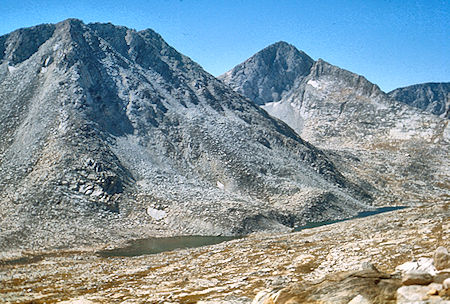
(314, 83)
(155, 213)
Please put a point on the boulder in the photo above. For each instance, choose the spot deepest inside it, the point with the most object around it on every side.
(411, 294)
(441, 276)
(446, 283)
(441, 258)
(368, 266)
(261, 297)
(355, 287)
(434, 289)
(445, 288)
(416, 278)
(421, 265)
(359, 299)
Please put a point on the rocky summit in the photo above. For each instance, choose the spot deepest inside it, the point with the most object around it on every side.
(109, 134)
(432, 97)
(400, 151)
(266, 76)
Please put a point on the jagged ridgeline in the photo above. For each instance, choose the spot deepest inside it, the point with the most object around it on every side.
(109, 133)
(402, 152)
(433, 97)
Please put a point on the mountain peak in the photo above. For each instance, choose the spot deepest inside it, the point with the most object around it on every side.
(273, 70)
(71, 21)
(433, 97)
(280, 45)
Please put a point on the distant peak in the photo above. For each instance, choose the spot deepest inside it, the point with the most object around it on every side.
(281, 44)
(282, 49)
(272, 71)
(72, 21)
(432, 97)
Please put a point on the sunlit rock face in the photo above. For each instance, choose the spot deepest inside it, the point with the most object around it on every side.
(109, 133)
(402, 152)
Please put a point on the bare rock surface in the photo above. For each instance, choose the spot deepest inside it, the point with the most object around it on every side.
(417, 278)
(433, 97)
(421, 265)
(441, 258)
(109, 133)
(359, 299)
(400, 151)
(412, 294)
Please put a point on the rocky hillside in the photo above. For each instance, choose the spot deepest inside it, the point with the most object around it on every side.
(431, 97)
(109, 133)
(394, 147)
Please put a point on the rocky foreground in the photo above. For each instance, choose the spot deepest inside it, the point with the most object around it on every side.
(354, 261)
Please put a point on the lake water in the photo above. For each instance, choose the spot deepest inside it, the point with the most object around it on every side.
(157, 245)
(359, 215)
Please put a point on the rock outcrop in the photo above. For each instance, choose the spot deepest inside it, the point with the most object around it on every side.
(363, 287)
(398, 149)
(441, 258)
(109, 133)
(431, 97)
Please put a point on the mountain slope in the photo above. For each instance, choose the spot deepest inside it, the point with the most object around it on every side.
(431, 97)
(110, 134)
(401, 151)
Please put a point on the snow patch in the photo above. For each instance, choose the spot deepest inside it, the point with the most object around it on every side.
(11, 68)
(314, 84)
(156, 214)
(220, 185)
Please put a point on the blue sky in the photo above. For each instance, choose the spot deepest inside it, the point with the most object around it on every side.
(391, 42)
